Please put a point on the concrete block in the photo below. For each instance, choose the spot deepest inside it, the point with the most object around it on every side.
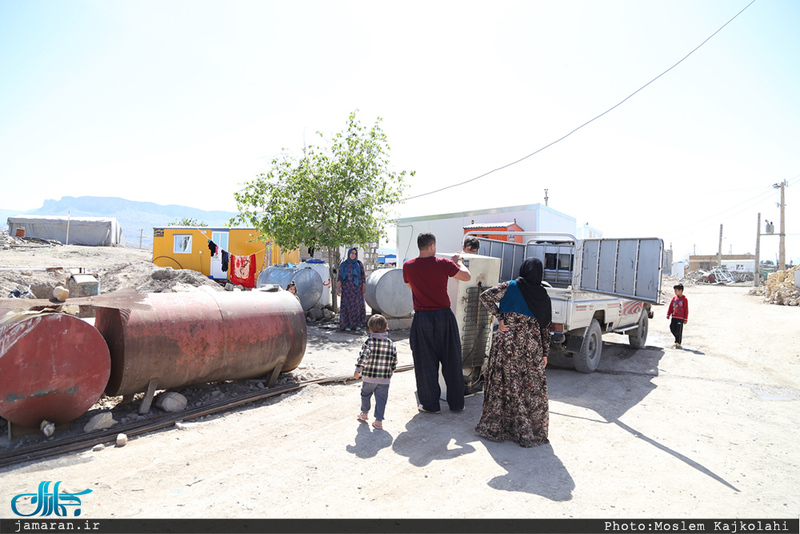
(83, 285)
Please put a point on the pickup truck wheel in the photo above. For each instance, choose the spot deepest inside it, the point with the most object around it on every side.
(588, 358)
(637, 338)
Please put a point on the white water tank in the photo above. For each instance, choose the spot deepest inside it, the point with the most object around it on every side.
(388, 294)
(308, 282)
(324, 272)
(679, 269)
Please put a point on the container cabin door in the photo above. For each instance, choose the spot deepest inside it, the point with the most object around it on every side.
(221, 239)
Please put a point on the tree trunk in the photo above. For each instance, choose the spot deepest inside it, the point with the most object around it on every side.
(333, 267)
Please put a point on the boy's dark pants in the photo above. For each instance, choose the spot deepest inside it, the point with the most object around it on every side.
(676, 327)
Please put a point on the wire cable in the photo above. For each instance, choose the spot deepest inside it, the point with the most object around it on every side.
(585, 123)
(750, 203)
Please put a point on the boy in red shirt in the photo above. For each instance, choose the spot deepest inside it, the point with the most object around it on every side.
(679, 311)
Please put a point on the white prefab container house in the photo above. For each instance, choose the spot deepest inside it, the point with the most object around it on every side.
(92, 231)
(449, 227)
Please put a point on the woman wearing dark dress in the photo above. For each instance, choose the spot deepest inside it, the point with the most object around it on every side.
(515, 392)
(350, 286)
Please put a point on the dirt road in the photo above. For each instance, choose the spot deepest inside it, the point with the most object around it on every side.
(707, 431)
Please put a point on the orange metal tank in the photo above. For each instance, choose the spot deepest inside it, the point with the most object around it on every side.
(53, 367)
(198, 337)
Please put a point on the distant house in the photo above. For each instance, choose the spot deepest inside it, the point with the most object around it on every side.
(187, 247)
(92, 231)
(733, 262)
(496, 227)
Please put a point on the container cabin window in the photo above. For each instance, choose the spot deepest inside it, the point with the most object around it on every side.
(182, 244)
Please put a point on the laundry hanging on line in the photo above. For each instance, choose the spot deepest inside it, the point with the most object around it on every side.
(243, 270)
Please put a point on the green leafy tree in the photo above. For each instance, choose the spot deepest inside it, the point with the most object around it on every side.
(333, 196)
(186, 221)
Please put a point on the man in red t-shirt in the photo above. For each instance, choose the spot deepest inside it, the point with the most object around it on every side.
(434, 335)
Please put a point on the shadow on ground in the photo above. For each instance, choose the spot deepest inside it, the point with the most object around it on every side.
(623, 380)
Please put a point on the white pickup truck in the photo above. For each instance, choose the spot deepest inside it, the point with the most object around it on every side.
(596, 286)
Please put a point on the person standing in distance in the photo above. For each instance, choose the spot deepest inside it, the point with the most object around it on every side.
(679, 311)
(434, 335)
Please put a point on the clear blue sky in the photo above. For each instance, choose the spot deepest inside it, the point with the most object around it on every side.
(180, 102)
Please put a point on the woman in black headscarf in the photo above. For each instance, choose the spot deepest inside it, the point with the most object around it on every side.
(351, 286)
(515, 391)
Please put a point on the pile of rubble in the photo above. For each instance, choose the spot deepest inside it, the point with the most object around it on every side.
(742, 276)
(717, 277)
(780, 288)
(147, 277)
(143, 276)
(698, 277)
(7, 240)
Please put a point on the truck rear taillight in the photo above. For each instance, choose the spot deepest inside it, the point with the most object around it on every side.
(556, 327)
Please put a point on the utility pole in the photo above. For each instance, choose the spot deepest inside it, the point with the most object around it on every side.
(757, 275)
(782, 250)
(545, 197)
(719, 250)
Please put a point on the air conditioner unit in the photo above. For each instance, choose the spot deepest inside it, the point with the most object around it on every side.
(473, 319)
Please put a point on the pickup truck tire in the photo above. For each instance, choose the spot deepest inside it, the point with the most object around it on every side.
(588, 357)
(637, 338)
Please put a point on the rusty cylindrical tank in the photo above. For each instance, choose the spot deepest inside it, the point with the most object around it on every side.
(198, 337)
(52, 366)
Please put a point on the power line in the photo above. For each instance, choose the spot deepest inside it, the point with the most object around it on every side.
(716, 217)
(750, 203)
(585, 123)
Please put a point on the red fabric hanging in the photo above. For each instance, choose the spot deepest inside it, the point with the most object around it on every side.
(243, 270)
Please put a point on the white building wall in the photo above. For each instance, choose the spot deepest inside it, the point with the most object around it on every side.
(449, 228)
(587, 232)
(740, 265)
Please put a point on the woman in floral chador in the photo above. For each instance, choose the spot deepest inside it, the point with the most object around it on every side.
(515, 392)
(351, 285)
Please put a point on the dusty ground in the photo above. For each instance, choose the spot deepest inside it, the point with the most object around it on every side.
(707, 431)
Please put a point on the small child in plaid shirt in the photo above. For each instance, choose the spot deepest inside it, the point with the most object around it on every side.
(376, 363)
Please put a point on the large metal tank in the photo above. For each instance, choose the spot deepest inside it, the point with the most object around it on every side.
(53, 367)
(388, 294)
(323, 270)
(198, 337)
(307, 280)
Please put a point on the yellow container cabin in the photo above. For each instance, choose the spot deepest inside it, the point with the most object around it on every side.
(187, 247)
